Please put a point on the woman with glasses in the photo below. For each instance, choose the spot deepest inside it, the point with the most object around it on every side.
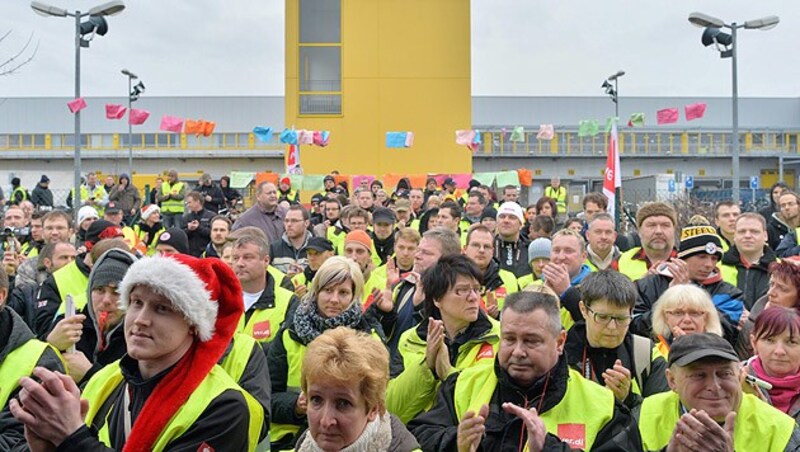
(784, 291)
(681, 310)
(603, 349)
(454, 334)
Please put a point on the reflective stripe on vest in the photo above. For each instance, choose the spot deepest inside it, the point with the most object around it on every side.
(70, 280)
(264, 323)
(758, 426)
(172, 205)
(236, 361)
(630, 267)
(569, 419)
(103, 384)
(17, 364)
(19, 190)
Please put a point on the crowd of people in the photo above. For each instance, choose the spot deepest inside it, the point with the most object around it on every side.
(394, 319)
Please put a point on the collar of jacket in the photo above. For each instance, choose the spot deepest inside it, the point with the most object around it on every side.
(267, 298)
(476, 331)
(509, 390)
(732, 257)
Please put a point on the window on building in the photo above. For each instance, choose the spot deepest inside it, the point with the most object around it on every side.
(320, 57)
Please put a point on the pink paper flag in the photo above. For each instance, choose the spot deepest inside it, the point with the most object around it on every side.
(546, 132)
(305, 137)
(357, 179)
(171, 124)
(409, 139)
(695, 111)
(115, 111)
(76, 105)
(667, 116)
(465, 137)
(137, 117)
(462, 180)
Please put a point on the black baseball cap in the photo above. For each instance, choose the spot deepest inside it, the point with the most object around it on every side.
(693, 347)
(112, 208)
(449, 181)
(383, 215)
(320, 244)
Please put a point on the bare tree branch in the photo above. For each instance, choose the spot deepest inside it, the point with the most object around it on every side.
(12, 64)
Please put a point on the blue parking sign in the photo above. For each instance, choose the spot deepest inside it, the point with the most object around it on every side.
(689, 182)
(754, 182)
(671, 185)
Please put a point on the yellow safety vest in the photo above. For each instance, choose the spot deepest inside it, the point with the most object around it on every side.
(559, 195)
(570, 419)
(172, 205)
(630, 267)
(104, 382)
(19, 190)
(142, 237)
(70, 280)
(301, 280)
(336, 238)
(17, 364)
(758, 427)
(85, 195)
(236, 361)
(510, 285)
(28, 250)
(263, 323)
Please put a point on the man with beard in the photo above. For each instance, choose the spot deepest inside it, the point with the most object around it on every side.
(220, 228)
(785, 221)
(601, 251)
(656, 222)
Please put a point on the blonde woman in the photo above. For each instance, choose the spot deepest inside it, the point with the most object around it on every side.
(681, 310)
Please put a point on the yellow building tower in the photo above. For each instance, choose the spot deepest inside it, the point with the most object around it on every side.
(361, 68)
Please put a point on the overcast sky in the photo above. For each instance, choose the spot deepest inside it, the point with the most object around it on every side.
(519, 47)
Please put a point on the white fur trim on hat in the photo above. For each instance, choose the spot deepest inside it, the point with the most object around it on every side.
(511, 208)
(151, 209)
(179, 284)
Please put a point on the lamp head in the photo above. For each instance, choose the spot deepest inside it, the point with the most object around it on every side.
(108, 9)
(705, 21)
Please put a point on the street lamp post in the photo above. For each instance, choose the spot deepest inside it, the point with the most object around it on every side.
(726, 44)
(615, 78)
(95, 25)
(133, 95)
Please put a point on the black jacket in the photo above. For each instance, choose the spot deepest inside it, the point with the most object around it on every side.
(600, 359)
(41, 196)
(491, 277)
(223, 425)
(282, 254)
(776, 230)
(437, 429)
(652, 286)
(13, 334)
(284, 400)
(49, 299)
(217, 197)
(752, 281)
(200, 237)
(512, 256)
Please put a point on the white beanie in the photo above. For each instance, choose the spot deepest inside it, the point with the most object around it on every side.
(511, 208)
(180, 284)
(86, 212)
(149, 210)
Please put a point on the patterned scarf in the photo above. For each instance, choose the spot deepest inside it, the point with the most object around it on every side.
(377, 437)
(308, 324)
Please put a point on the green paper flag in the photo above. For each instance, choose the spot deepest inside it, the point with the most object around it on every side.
(636, 120)
(507, 178)
(518, 135)
(609, 122)
(484, 178)
(588, 128)
(240, 179)
(313, 182)
(297, 180)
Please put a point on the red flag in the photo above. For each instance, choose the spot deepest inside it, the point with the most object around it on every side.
(76, 105)
(695, 111)
(667, 116)
(613, 177)
(208, 128)
(171, 124)
(292, 159)
(115, 111)
(137, 117)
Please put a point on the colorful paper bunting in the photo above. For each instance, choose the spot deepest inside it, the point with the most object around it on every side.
(305, 137)
(289, 136)
(76, 105)
(263, 134)
(609, 122)
(171, 124)
(399, 139)
(695, 111)
(546, 132)
(667, 116)
(115, 111)
(321, 138)
(588, 128)
(636, 120)
(137, 117)
(517, 135)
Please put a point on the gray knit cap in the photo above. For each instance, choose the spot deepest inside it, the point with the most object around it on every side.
(111, 268)
(539, 248)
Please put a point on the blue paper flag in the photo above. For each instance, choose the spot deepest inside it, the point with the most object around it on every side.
(477, 139)
(264, 134)
(289, 136)
(396, 139)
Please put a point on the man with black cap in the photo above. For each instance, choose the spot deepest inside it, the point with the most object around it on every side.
(70, 280)
(331, 188)
(18, 193)
(706, 409)
(317, 215)
(700, 250)
(383, 221)
(448, 186)
(41, 196)
(172, 241)
(318, 250)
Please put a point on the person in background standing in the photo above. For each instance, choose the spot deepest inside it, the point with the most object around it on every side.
(41, 195)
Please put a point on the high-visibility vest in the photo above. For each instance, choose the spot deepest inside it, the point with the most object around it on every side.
(263, 323)
(142, 237)
(236, 360)
(21, 191)
(17, 364)
(559, 195)
(510, 285)
(630, 267)
(172, 205)
(570, 419)
(758, 426)
(104, 382)
(29, 249)
(97, 192)
(70, 280)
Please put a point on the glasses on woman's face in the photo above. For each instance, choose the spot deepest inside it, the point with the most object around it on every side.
(465, 291)
(680, 313)
(605, 319)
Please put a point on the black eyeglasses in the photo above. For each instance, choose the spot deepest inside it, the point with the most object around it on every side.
(605, 319)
